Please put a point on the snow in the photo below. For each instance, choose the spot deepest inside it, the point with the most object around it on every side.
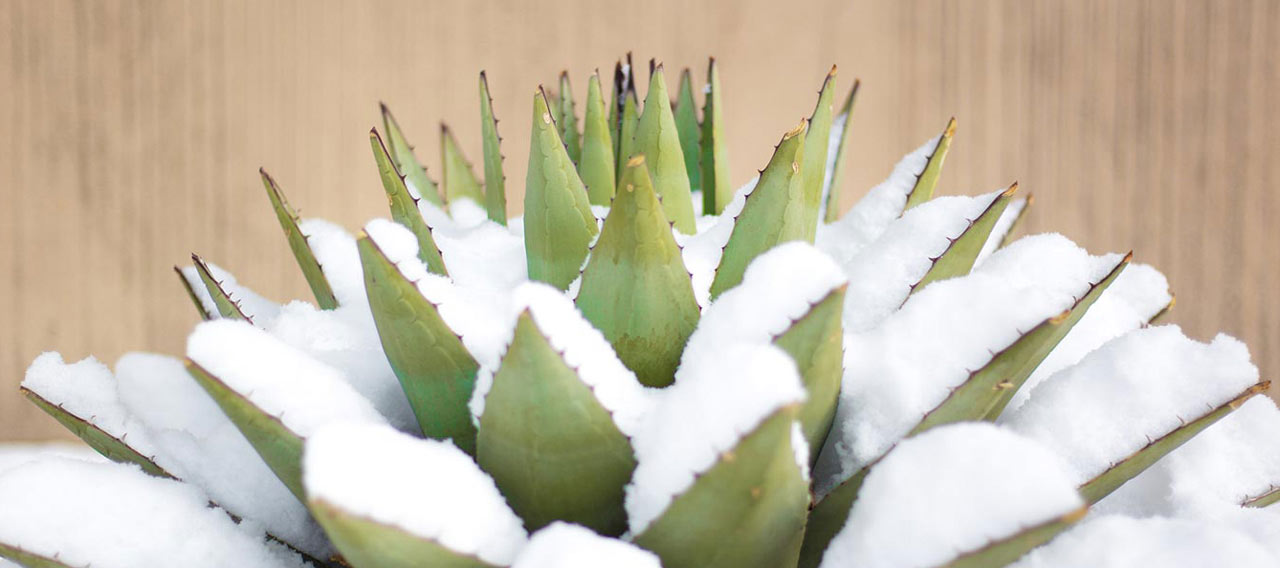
(884, 203)
(335, 250)
(200, 445)
(950, 491)
(87, 390)
(1003, 225)
(883, 273)
(564, 545)
(1136, 296)
(701, 252)
(1134, 389)
(1232, 461)
(13, 455)
(897, 372)
(778, 288)
(714, 402)
(833, 154)
(1121, 542)
(428, 488)
(583, 349)
(109, 515)
(254, 306)
(477, 252)
(302, 392)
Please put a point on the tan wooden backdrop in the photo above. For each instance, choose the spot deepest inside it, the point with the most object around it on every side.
(132, 131)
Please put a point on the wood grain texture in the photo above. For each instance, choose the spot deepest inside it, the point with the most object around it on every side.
(133, 132)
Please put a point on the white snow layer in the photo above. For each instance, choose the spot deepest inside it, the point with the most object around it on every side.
(114, 516)
(428, 488)
(564, 545)
(950, 491)
(583, 348)
(477, 252)
(14, 455)
(884, 203)
(701, 252)
(198, 444)
(257, 308)
(1130, 391)
(1121, 542)
(712, 405)
(897, 372)
(302, 392)
(1136, 296)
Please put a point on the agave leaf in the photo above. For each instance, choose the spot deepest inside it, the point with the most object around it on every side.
(553, 450)
(815, 341)
(597, 165)
(28, 559)
(495, 192)
(773, 213)
(567, 120)
(227, 306)
(927, 181)
(1164, 312)
(1006, 550)
(629, 121)
(191, 294)
(814, 166)
(558, 224)
(111, 447)
(828, 516)
(278, 446)
(1124, 470)
(831, 189)
(298, 244)
(1270, 497)
(963, 251)
(716, 192)
(404, 206)
(1017, 221)
(635, 288)
(989, 389)
(747, 511)
(366, 543)
(686, 112)
(435, 369)
(406, 162)
(622, 83)
(458, 179)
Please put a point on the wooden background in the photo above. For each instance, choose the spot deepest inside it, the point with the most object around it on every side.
(133, 131)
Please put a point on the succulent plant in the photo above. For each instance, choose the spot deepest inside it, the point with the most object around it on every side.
(649, 368)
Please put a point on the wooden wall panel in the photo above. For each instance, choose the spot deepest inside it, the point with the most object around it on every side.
(133, 131)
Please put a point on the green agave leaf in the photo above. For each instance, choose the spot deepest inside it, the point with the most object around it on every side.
(558, 224)
(227, 306)
(814, 166)
(112, 448)
(553, 450)
(553, 103)
(989, 389)
(1007, 550)
(458, 180)
(366, 543)
(435, 369)
(597, 165)
(191, 294)
(960, 255)
(686, 113)
(635, 287)
(278, 446)
(828, 516)
(298, 244)
(1264, 500)
(1009, 235)
(716, 192)
(628, 123)
(773, 213)
(747, 511)
(30, 560)
(495, 192)
(1160, 315)
(404, 206)
(1124, 470)
(567, 119)
(815, 341)
(928, 179)
(837, 174)
(405, 161)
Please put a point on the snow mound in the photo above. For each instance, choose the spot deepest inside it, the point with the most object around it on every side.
(428, 488)
(564, 545)
(951, 491)
(109, 515)
(14, 455)
(1121, 542)
(303, 393)
(1134, 389)
(897, 372)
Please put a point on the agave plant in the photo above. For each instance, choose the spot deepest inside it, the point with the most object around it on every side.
(650, 368)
